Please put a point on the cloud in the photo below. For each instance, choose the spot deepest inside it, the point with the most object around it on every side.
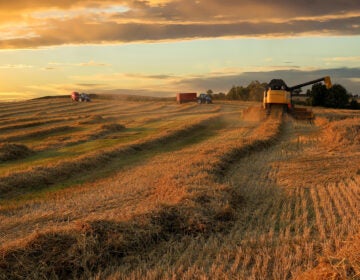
(217, 10)
(139, 92)
(90, 85)
(43, 89)
(184, 10)
(343, 59)
(150, 77)
(49, 23)
(345, 76)
(45, 4)
(76, 31)
(15, 66)
(90, 63)
(140, 78)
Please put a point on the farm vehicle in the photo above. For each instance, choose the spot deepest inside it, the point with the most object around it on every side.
(80, 97)
(192, 97)
(186, 97)
(278, 95)
(204, 99)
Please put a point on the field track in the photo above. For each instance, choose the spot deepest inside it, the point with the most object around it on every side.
(125, 189)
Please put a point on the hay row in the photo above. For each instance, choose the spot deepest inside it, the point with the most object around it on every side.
(60, 141)
(59, 108)
(91, 246)
(38, 133)
(28, 108)
(31, 119)
(79, 109)
(342, 133)
(262, 137)
(43, 104)
(15, 106)
(43, 132)
(28, 124)
(101, 132)
(10, 151)
(37, 177)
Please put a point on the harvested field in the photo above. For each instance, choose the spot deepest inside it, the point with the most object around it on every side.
(154, 190)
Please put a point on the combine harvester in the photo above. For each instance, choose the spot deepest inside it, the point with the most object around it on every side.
(277, 96)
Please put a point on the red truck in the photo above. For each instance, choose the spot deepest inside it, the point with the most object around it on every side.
(186, 97)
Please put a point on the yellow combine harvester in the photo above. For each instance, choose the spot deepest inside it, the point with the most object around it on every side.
(279, 95)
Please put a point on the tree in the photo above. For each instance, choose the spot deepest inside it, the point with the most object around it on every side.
(318, 95)
(243, 93)
(337, 97)
(219, 96)
(256, 90)
(232, 94)
(354, 104)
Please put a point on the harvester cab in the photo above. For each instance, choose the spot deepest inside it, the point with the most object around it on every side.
(279, 95)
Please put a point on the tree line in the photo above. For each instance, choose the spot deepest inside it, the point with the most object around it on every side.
(253, 92)
(335, 97)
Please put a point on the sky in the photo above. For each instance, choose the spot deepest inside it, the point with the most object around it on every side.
(161, 47)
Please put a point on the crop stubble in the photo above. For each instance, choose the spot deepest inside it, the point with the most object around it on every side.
(292, 203)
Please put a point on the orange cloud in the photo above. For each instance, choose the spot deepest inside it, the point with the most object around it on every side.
(32, 24)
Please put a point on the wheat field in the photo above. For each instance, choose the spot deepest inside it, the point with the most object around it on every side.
(125, 189)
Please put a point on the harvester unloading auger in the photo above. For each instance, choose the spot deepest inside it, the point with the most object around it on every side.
(278, 95)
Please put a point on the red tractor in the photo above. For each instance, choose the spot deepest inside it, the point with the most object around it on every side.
(75, 96)
(80, 97)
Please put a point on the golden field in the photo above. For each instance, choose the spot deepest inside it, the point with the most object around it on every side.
(125, 189)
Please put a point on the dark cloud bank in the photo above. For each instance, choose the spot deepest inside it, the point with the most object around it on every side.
(223, 83)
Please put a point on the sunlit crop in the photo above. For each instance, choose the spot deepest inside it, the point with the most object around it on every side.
(117, 189)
